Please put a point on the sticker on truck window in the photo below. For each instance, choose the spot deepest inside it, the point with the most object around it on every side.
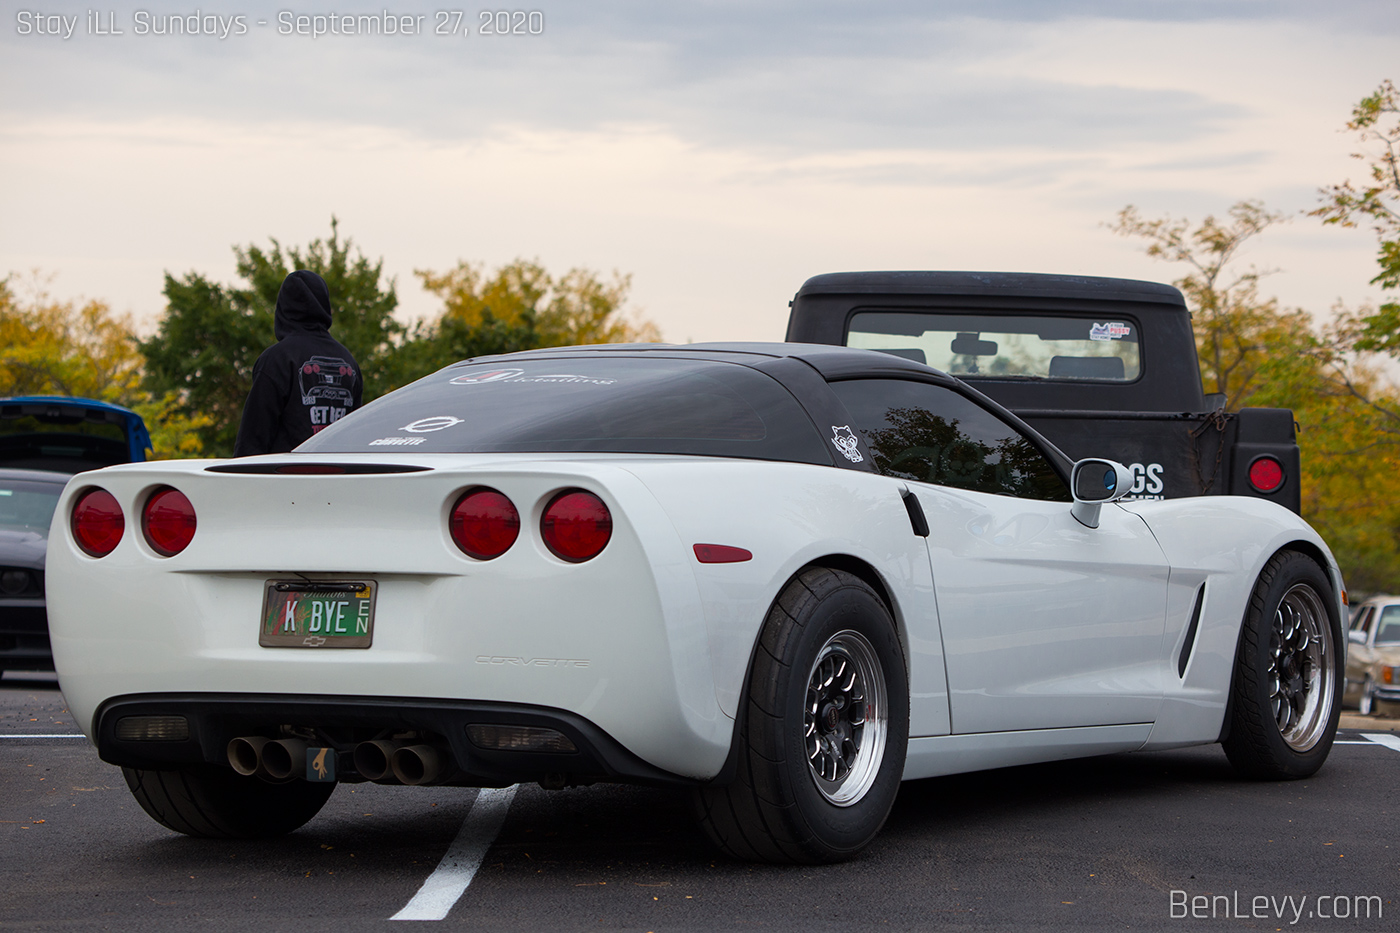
(1110, 331)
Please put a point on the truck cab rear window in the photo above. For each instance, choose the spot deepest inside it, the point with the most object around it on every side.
(1002, 346)
(566, 404)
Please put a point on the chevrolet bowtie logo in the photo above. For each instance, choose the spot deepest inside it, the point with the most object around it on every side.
(315, 641)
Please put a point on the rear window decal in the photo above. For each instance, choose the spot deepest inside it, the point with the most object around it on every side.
(846, 442)
(495, 375)
(519, 375)
(1113, 330)
(435, 423)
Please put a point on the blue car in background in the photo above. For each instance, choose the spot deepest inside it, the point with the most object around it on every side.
(44, 440)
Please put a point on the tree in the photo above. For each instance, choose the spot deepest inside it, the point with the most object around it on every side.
(1376, 119)
(1260, 354)
(574, 309)
(60, 348)
(212, 334)
(49, 347)
(1244, 342)
(520, 307)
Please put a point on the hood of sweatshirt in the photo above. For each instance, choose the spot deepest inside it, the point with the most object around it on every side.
(303, 305)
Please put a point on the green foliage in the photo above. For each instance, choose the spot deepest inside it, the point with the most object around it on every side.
(212, 334)
(519, 307)
(571, 310)
(1376, 201)
(1262, 355)
(49, 347)
(203, 355)
(430, 347)
(1247, 344)
(61, 348)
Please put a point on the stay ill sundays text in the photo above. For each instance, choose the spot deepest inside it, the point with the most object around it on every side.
(143, 23)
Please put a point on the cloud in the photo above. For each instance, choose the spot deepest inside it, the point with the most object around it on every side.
(790, 76)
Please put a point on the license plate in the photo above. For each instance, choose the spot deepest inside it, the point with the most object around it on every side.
(317, 614)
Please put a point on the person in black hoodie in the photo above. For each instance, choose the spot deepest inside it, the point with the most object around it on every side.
(303, 382)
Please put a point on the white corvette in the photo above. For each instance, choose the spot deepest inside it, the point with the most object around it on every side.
(783, 576)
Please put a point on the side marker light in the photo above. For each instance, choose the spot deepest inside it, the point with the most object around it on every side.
(721, 554)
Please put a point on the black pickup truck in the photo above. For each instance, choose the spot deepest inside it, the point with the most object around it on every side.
(1101, 367)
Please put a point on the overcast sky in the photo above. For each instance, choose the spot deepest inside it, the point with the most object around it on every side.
(720, 152)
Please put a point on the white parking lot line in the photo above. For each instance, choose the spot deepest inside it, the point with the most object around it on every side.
(1388, 739)
(447, 883)
(44, 735)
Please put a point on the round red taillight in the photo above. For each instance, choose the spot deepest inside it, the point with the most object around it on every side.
(484, 523)
(576, 525)
(168, 521)
(1265, 474)
(97, 522)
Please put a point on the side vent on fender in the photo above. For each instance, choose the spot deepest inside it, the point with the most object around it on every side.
(1191, 627)
(917, 520)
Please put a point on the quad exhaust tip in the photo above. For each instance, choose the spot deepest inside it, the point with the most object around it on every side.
(382, 760)
(418, 764)
(270, 759)
(372, 759)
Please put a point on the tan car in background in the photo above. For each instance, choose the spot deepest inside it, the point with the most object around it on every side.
(1373, 656)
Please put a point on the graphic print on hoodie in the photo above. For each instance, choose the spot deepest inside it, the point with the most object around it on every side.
(303, 382)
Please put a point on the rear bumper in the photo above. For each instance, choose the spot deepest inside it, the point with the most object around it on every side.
(343, 722)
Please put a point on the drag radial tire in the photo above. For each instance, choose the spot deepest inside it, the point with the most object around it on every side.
(1285, 696)
(822, 736)
(219, 803)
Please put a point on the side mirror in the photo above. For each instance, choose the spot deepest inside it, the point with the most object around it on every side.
(1094, 482)
(1356, 637)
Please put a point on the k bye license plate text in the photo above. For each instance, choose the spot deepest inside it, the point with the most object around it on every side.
(317, 614)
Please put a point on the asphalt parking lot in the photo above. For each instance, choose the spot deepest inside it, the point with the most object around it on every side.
(1169, 840)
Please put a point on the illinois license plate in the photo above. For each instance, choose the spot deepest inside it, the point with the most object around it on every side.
(318, 614)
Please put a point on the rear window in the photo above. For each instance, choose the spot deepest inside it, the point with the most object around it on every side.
(618, 404)
(28, 506)
(1002, 346)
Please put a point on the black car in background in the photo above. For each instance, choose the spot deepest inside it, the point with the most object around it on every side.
(44, 440)
(27, 500)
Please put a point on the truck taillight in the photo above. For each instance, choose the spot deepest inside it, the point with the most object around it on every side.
(168, 521)
(97, 522)
(484, 523)
(1265, 474)
(576, 525)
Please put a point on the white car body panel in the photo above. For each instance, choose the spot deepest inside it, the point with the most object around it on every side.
(1228, 560)
(1048, 624)
(647, 643)
(934, 756)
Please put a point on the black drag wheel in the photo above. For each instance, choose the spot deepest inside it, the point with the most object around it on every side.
(218, 803)
(824, 730)
(1285, 695)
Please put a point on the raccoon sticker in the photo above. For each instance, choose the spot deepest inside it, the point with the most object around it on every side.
(846, 442)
